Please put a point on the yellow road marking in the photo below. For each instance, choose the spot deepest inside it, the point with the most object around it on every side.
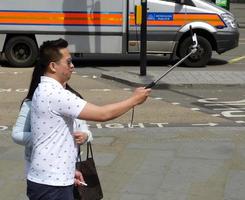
(234, 60)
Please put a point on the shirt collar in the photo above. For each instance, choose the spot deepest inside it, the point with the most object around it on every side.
(46, 79)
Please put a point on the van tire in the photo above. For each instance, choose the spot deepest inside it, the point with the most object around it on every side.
(201, 57)
(21, 51)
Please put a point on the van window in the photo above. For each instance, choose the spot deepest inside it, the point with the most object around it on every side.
(186, 2)
(173, 1)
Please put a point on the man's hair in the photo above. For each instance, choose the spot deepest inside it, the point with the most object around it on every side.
(50, 51)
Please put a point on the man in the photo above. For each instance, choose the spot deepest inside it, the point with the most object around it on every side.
(53, 110)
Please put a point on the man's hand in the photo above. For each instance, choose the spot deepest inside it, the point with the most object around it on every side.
(78, 180)
(140, 95)
(80, 137)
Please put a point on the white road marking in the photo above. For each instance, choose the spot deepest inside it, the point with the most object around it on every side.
(195, 109)
(175, 103)
(3, 128)
(15, 73)
(240, 122)
(207, 100)
(208, 124)
(233, 113)
(158, 98)
(216, 115)
(100, 90)
(7, 129)
(21, 90)
(229, 108)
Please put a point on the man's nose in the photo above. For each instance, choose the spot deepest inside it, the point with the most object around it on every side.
(72, 66)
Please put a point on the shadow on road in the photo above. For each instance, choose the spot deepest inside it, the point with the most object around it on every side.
(215, 61)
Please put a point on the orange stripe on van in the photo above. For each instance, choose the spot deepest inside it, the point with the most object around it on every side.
(60, 18)
(212, 19)
(56, 18)
(182, 19)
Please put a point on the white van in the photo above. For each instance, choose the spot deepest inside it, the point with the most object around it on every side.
(108, 27)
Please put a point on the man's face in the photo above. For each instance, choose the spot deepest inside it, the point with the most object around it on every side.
(64, 67)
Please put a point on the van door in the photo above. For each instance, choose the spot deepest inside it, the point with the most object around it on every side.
(162, 25)
(101, 26)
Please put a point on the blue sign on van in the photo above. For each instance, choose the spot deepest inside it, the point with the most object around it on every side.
(160, 16)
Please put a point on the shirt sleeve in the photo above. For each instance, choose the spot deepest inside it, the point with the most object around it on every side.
(67, 104)
(21, 133)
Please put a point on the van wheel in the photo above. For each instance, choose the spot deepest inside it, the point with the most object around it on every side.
(21, 51)
(201, 57)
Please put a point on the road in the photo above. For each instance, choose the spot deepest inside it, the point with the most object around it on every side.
(185, 143)
(176, 149)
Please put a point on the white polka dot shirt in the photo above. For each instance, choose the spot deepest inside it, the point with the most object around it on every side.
(53, 111)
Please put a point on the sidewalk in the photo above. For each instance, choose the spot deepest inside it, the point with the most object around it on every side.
(238, 10)
(180, 78)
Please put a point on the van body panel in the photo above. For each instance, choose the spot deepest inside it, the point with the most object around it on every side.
(87, 43)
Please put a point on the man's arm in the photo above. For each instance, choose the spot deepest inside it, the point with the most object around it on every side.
(104, 113)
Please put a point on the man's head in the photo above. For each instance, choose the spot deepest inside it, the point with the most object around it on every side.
(56, 60)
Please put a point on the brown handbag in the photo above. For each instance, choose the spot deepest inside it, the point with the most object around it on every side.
(93, 190)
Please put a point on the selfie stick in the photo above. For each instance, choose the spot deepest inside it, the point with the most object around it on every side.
(152, 84)
(193, 50)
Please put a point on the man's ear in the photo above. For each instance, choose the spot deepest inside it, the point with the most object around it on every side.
(52, 67)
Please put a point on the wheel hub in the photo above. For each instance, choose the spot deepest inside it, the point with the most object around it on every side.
(198, 54)
(21, 52)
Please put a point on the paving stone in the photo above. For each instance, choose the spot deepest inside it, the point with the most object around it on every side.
(234, 189)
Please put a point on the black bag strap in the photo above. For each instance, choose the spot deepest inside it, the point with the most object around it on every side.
(89, 152)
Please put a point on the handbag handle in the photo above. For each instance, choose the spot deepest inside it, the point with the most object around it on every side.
(89, 152)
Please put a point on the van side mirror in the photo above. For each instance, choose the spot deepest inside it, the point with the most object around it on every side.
(180, 1)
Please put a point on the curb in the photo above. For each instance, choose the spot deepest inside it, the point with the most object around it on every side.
(241, 25)
(134, 80)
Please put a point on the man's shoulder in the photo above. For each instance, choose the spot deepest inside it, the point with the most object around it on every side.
(47, 87)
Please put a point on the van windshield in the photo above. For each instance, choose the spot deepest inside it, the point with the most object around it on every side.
(213, 4)
(186, 2)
